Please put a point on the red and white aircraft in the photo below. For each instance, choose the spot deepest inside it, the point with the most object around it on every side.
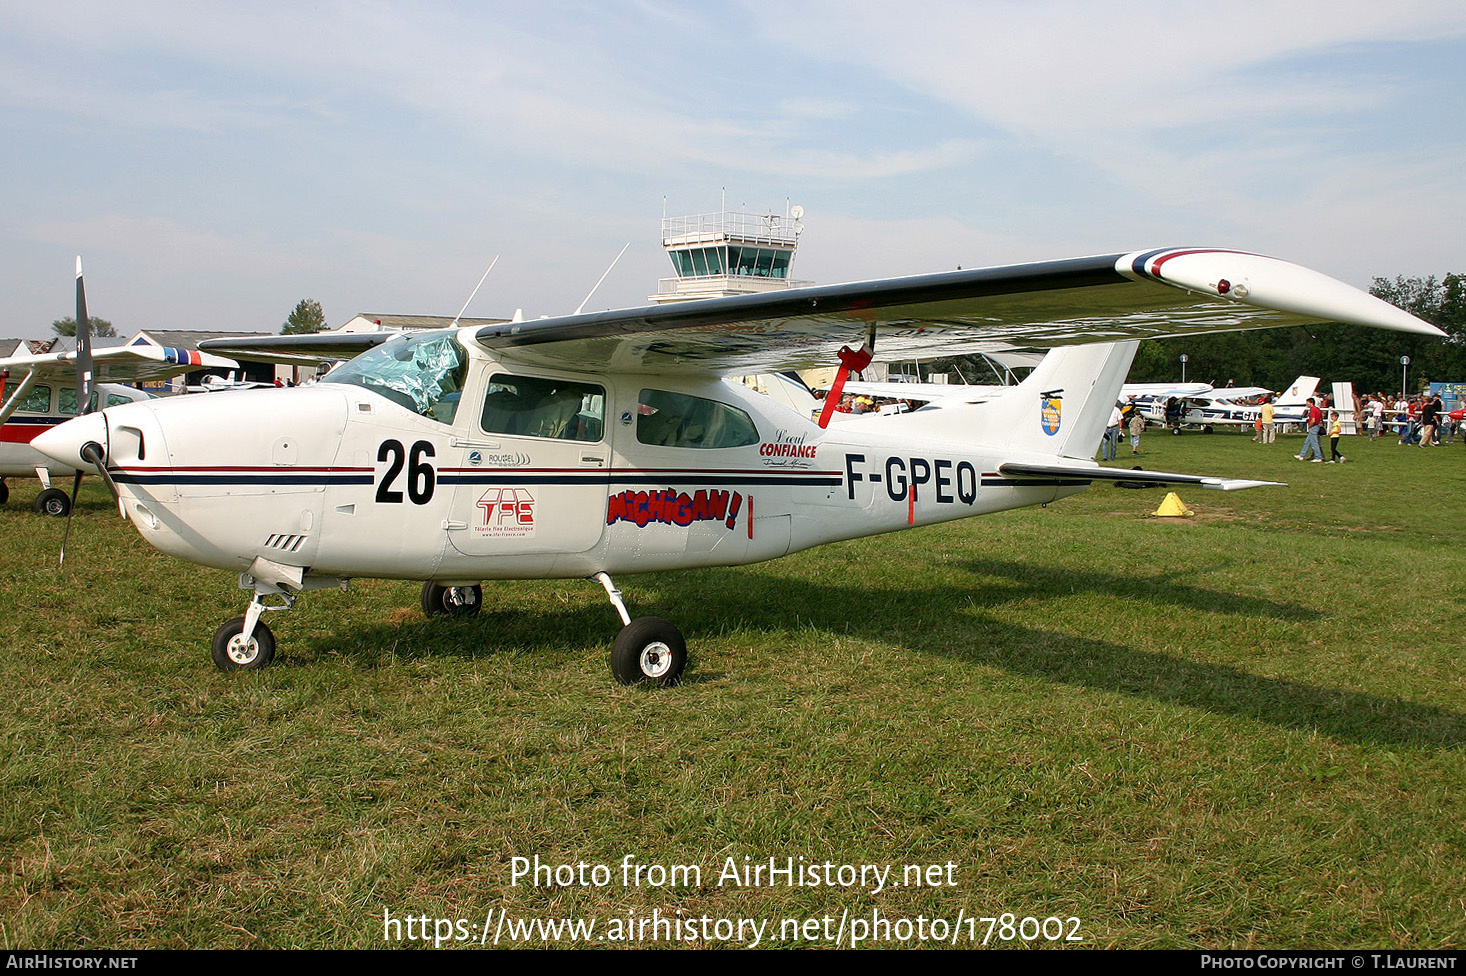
(592, 445)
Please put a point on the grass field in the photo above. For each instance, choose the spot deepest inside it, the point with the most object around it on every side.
(1242, 729)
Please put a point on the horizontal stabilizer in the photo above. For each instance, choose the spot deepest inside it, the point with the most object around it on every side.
(1094, 472)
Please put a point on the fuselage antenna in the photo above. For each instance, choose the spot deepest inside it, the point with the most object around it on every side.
(581, 307)
(475, 291)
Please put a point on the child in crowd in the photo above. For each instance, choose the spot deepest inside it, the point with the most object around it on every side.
(1335, 430)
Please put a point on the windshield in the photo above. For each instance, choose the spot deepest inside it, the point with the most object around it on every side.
(425, 374)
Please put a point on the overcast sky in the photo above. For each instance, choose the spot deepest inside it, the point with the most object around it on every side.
(216, 163)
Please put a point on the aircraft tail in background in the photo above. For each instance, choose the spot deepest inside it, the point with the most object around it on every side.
(1298, 392)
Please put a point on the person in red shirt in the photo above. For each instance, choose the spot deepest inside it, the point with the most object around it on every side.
(1315, 430)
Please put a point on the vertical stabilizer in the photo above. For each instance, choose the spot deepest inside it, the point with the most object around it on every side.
(1298, 392)
(1060, 409)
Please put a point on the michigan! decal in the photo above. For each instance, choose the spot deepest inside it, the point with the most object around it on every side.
(671, 507)
(1051, 411)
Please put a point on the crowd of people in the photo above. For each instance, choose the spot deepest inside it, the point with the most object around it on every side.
(861, 403)
(1420, 421)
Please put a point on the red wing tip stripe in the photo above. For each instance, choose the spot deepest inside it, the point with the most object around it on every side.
(1149, 264)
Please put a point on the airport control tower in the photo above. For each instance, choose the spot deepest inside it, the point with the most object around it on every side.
(729, 253)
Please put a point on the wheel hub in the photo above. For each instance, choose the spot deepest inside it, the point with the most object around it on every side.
(241, 651)
(656, 659)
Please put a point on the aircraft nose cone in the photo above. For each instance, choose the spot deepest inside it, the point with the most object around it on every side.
(64, 442)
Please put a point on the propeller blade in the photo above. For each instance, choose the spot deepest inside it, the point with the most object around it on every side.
(83, 345)
(92, 451)
(75, 487)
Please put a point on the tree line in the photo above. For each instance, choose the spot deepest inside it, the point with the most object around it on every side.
(306, 317)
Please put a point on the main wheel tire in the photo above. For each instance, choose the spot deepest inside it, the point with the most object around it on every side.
(4, 493)
(649, 649)
(233, 654)
(53, 502)
(451, 601)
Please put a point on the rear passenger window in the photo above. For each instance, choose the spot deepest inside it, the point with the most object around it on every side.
(678, 420)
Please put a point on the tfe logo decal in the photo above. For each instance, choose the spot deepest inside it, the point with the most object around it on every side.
(507, 512)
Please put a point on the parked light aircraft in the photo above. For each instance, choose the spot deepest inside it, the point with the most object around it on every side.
(44, 406)
(1238, 406)
(593, 445)
(218, 384)
(38, 392)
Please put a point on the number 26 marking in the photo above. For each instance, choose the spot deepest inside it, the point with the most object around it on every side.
(421, 478)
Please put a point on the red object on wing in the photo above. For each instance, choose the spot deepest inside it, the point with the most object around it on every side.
(850, 359)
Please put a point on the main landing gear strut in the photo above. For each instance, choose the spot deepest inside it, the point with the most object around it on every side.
(647, 648)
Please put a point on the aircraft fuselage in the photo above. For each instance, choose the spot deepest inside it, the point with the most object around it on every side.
(342, 482)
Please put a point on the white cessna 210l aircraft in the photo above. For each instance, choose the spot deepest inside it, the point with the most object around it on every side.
(606, 443)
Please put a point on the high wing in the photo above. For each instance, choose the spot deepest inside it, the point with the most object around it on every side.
(310, 349)
(1139, 295)
(1108, 298)
(118, 364)
(1164, 390)
(113, 364)
(1231, 394)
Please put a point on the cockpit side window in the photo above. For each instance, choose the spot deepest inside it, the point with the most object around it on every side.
(425, 374)
(38, 400)
(678, 420)
(533, 406)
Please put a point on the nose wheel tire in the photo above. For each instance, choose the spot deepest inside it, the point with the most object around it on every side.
(233, 653)
(451, 601)
(53, 502)
(648, 649)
